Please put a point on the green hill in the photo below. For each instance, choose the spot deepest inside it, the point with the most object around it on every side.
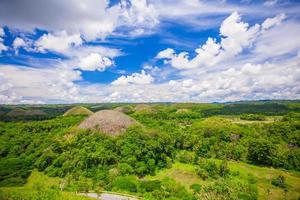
(78, 110)
(242, 177)
(24, 112)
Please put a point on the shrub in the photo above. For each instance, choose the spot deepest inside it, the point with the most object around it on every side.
(279, 181)
(260, 152)
(125, 169)
(186, 156)
(212, 168)
(224, 169)
(196, 188)
(125, 183)
(253, 117)
(149, 186)
(202, 173)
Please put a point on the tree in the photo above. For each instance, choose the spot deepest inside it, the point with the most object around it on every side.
(260, 152)
(224, 169)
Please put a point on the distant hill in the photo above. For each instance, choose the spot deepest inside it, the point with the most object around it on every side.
(24, 112)
(124, 109)
(108, 121)
(78, 110)
(143, 108)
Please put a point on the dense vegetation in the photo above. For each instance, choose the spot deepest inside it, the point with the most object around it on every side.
(207, 137)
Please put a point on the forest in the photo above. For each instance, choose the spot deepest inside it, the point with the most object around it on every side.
(239, 150)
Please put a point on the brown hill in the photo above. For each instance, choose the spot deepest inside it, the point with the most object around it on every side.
(108, 121)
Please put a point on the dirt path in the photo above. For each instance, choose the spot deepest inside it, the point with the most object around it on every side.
(108, 196)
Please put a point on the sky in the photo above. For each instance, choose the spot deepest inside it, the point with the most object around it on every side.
(92, 51)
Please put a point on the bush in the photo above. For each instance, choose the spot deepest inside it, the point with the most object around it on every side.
(253, 117)
(149, 186)
(125, 183)
(212, 168)
(125, 169)
(196, 188)
(279, 181)
(224, 169)
(202, 173)
(260, 152)
(186, 156)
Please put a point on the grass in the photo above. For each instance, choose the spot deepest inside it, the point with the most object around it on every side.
(186, 175)
(39, 186)
(264, 176)
(78, 110)
(237, 120)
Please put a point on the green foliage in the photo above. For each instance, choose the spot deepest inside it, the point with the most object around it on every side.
(253, 117)
(261, 151)
(229, 189)
(224, 169)
(208, 168)
(150, 186)
(125, 183)
(90, 160)
(279, 181)
(186, 156)
(196, 188)
(125, 169)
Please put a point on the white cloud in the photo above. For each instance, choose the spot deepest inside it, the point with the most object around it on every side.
(279, 80)
(18, 43)
(270, 22)
(236, 35)
(270, 2)
(269, 68)
(167, 53)
(140, 15)
(2, 46)
(94, 62)
(59, 42)
(44, 84)
(1, 32)
(91, 18)
(278, 41)
(136, 78)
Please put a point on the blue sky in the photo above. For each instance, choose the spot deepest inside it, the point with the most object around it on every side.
(148, 51)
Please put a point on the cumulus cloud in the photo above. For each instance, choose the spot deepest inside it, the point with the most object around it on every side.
(246, 62)
(92, 18)
(2, 46)
(140, 15)
(278, 80)
(278, 41)
(18, 43)
(136, 78)
(94, 62)
(45, 84)
(59, 42)
(236, 36)
(269, 22)
(167, 53)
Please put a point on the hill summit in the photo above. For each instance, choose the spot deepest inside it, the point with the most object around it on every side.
(108, 121)
(78, 110)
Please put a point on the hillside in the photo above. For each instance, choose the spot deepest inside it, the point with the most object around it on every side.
(259, 177)
(177, 151)
(78, 110)
(108, 121)
(24, 112)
